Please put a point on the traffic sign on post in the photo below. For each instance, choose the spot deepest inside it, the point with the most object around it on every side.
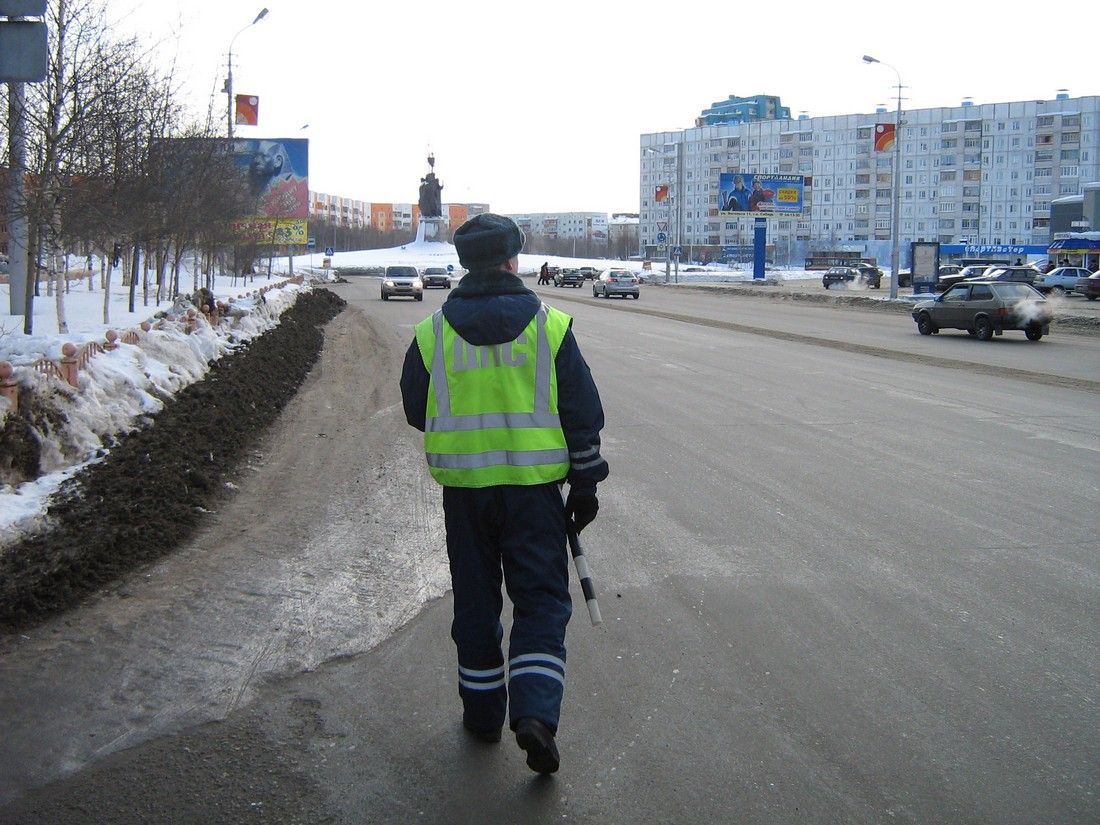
(677, 251)
(22, 8)
(662, 238)
(311, 243)
(329, 251)
(23, 51)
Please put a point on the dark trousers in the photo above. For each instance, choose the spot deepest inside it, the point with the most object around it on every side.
(513, 535)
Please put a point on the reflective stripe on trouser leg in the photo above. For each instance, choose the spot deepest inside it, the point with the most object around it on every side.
(476, 580)
(536, 573)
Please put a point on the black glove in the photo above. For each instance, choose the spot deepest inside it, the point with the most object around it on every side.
(581, 508)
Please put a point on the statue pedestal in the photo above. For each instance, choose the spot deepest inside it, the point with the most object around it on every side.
(431, 230)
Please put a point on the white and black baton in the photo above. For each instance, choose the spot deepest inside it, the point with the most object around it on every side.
(587, 586)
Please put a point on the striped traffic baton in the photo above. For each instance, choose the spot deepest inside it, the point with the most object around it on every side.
(587, 587)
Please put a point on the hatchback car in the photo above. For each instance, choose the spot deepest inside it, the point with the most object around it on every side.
(590, 273)
(436, 276)
(1061, 280)
(984, 309)
(621, 282)
(870, 274)
(1089, 287)
(839, 275)
(402, 280)
(569, 277)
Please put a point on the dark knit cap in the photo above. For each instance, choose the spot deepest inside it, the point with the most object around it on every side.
(487, 239)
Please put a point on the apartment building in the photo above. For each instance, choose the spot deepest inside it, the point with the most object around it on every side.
(589, 226)
(972, 177)
(385, 217)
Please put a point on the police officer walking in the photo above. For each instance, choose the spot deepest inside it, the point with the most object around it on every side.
(509, 411)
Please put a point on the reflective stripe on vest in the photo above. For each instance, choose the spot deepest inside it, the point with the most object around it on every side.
(517, 437)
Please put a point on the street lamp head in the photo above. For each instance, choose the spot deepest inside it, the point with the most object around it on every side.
(260, 16)
(868, 59)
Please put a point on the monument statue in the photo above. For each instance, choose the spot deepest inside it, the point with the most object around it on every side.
(431, 199)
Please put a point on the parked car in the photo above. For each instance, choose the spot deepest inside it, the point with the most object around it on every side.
(1018, 274)
(986, 308)
(839, 275)
(905, 276)
(1089, 287)
(621, 282)
(569, 277)
(946, 280)
(590, 273)
(436, 276)
(1061, 280)
(402, 280)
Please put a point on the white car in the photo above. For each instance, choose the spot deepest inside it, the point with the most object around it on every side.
(1061, 281)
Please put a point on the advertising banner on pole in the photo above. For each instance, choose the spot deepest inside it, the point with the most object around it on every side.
(277, 172)
(885, 135)
(248, 110)
(769, 194)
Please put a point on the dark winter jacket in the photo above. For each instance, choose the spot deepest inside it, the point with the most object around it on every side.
(493, 307)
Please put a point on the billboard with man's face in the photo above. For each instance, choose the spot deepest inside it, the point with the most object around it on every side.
(277, 172)
(760, 194)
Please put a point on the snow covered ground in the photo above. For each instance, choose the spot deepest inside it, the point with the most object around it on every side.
(117, 389)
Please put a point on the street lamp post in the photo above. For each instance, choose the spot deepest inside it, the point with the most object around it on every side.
(229, 75)
(895, 220)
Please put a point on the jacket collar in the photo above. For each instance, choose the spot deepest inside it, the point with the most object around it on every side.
(480, 282)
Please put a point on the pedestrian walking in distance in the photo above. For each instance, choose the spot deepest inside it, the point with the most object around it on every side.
(509, 411)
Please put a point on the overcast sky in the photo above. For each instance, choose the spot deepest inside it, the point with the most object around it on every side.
(539, 107)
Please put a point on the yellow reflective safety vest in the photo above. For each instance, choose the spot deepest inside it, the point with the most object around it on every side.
(492, 414)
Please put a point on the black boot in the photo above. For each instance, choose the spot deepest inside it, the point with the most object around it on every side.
(538, 740)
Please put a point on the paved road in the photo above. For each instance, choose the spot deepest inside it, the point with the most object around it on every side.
(838, 586)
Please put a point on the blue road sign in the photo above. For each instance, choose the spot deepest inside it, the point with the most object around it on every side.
(450, 267)
(662, 237)
(311, 243)
(329, 251)
(677, 251)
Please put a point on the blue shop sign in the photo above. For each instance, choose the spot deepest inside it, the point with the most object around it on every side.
(978, 250)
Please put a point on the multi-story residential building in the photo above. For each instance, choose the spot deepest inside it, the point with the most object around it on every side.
(340, 210)
(622, 235)
(589, 226)
(971, 177)
(385, 217)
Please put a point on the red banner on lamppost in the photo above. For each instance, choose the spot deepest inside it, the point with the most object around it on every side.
(248, 110)
(885, 136)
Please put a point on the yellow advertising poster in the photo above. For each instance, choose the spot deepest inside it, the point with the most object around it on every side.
(275, 231)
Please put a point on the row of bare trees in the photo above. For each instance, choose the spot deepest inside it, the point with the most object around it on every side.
(115, 168)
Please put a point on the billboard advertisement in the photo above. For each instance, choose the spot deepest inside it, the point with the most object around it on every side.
(768, 194)
(277, 175)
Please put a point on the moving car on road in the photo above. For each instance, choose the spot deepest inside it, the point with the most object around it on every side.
(839, 275)
(590, 273)
(569, 277)
(870, 274)
(436, 276)
(1061, 280)
(621, 282)
(402, 280)
(986, 308)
